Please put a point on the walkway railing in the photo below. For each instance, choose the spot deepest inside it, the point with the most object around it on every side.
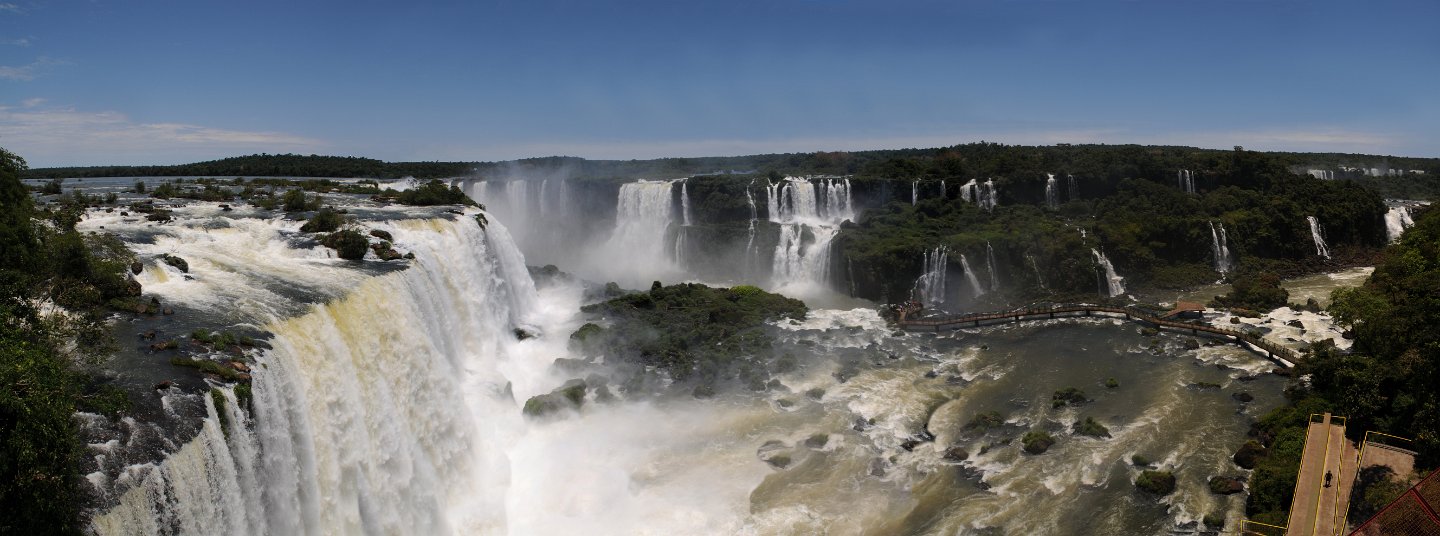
(1275, 352)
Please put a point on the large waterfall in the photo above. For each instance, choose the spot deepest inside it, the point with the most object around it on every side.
(387, 411)
(1113, 284)
(1317, 234)
(930, 286)
(990, 265)
(639, 247)
(983, 194)
(808, 222)
(1397, 220)
(1220, 247)
(1052, 192)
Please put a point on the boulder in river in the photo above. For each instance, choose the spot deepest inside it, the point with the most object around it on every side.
(1249, 454)
(1156, 482)
(1037, 441)
(1226, 485)
(568, 396)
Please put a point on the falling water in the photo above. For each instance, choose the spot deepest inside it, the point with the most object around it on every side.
(968, 191)
(1052, 193)
(942, 189)
(1114, 285)
(1186, 181)
(685, 201)
(990, 264)
(838, 203)
(750, 200)
(1220, 247)
(1317, 234)
(1074, 187)
(802, 253)
(930, 287)
(1397, 220)
(970, 276)
(989, 197)
(914, 192)
(637, 249)
(543, 203)
(1036, 267)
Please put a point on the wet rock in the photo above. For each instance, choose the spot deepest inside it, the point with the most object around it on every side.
(954, 380)
(1192, 344)
(1249, 454)
(932, 374)
(877, 467)
(1243, 397)
(815, 394)
(177, 262)
(568, 396)
(1295, 324)
(785, 403)
(1234, 320)
(124, 213)
(165, 345)
(148, 335)
(774, 452)
(383, 235)
(523, 334)
(817, 441)
(1226, 485)
(1037, 441)
(242, 377)
(1204, 385)
(956, 454)
(225, 208)
(167, 311)
(239, 366)
(133, 288)
(1156, 482)
(910, 444)
(861, 424)
(137, 267)
(164, 385)
(1149, 332)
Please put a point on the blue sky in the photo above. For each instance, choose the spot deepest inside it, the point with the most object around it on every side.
(141, 81)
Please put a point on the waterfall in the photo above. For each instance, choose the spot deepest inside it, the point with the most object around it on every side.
(1186, 181)
(802, 253)
(381, 412)
(990, 265)
(517, 196)
(1052, 192)
(1036, 267)
(1397, 220)
(1114, 285)
(1074, 187)
(968, 191)
(930, 286)
(685, 202)
(1221, 248)
(543, 204)
(750, 200)
(1317, 234)
(989, 197)
(679, 254)
(637, 250)
(970, 276)
(914, 192)
(942, 188)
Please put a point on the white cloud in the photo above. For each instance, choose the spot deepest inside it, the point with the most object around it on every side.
(28, 72)
(21, 42)
(52, 136)
(10, 7)
(31, 103)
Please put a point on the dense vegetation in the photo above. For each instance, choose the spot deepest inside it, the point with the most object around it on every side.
(691, 331)
(43, 260)
(271, 165)
(1387, 384)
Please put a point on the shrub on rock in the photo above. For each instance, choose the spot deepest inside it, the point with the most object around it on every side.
(1037, 441)
(1156, 482)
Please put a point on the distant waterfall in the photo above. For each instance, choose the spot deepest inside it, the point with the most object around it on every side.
(1052, 192)
(685, 202)
(544, 203)
(1074, 187)
(1186, 181)
(970, 276)
(1036, 267)
(750, 201)
(808, 222)
(1220, 246)
(638, 246)
(1397, 220)
(989, 197)
(377, 413)
(942, 189)
(930, 287)
(990, 264)
(1114, 284)
(1317, 234)
(969, 191)
(517, 196)
(914, 192)
(1322, 174)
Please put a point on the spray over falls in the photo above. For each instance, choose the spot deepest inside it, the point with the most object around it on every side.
(1397, 220)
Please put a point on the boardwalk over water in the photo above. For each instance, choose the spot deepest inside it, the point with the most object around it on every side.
(1254, 343)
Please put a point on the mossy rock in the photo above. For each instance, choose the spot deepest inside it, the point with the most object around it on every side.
(383, 235)
(348, 244)
(177, 262)
(1139, 461)
(1068, 396)
(568, 396)
(985, 421)
(817, 441)
(1089, 427)
(1111, 383)
(1225, 485)
(1037, 441)
(1156, 482)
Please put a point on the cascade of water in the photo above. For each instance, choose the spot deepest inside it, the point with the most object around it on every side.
(750, 201)
(942, 188)
(930, 286)
(480, 192)
(1036, 267)
(1052, 192)
(969, 191)
(772, 200)
(989, 195)
(685, 202)
(680, 248)
(1397, 220)
(543, 203)
(990, 264)
(1186, 181)
(1114, 285)
(802, 252)
(1074, 187)
(1220, 247)
(637, 248)
(382, 412)
(838, 204)
(914, 192)
(1317, 234)
(970, 276)
(517, 196)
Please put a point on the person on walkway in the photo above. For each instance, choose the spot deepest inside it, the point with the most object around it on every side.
(1328, 476)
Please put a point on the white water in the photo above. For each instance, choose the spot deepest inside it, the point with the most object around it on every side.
(638, 250)
(1397, 220)
(1052, 193)
(685, 202)
(970, 276)
(989, 196)
(1036, 267)
(1317, 234)
(1220, 247)
(930, 286)
(1114, 284)
(1186, 181)
(914, 192)
(754, 215)
(808, 222)
(969, 191)
(990, 264)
